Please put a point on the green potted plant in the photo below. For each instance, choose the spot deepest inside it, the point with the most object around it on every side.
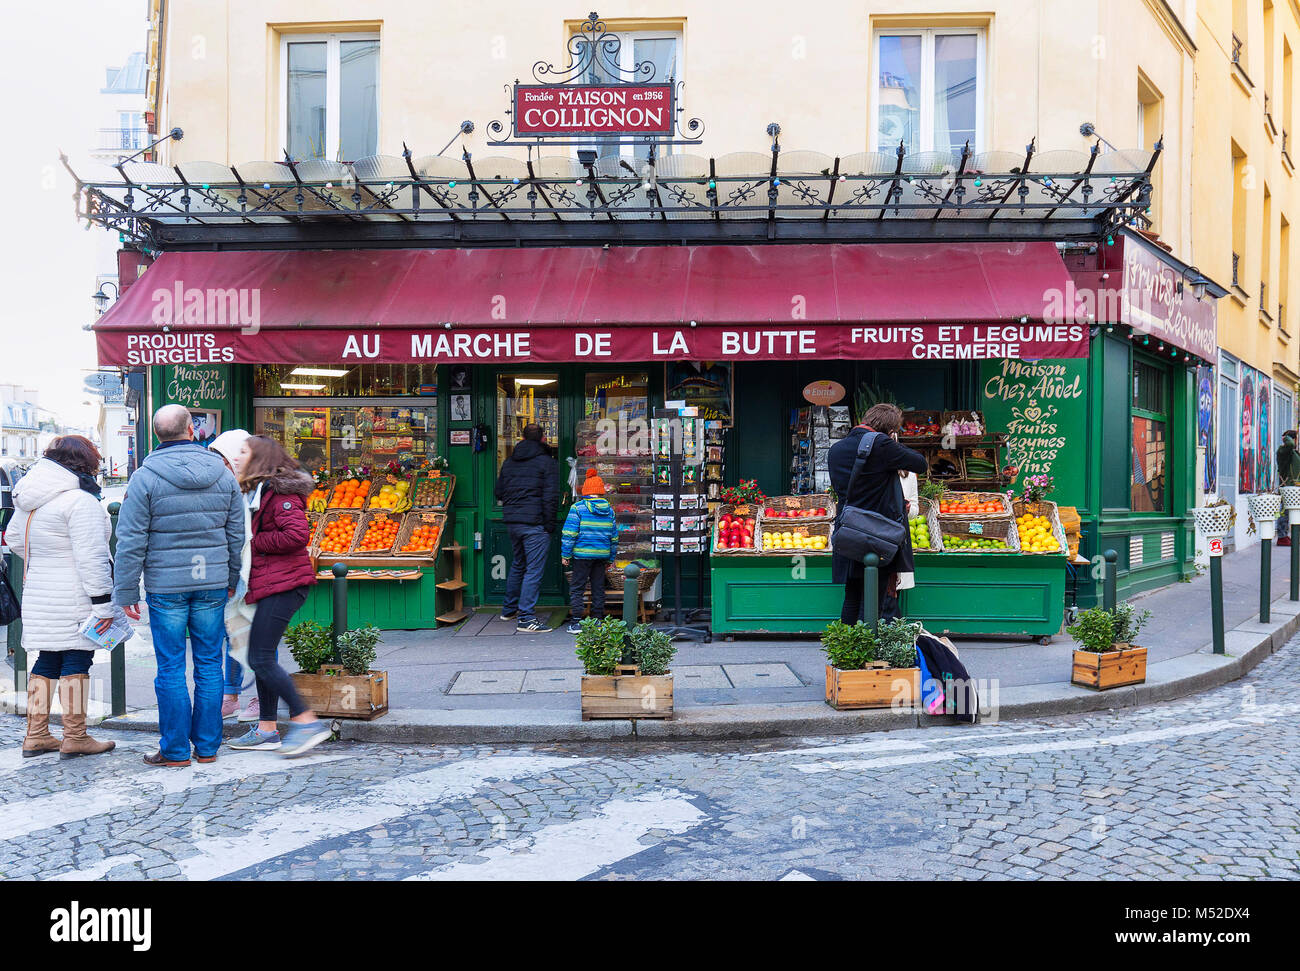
(872, 667)
(1107, 656)
(342, 688)
(625, 674)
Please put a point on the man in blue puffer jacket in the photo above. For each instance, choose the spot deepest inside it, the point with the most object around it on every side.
(182, 526)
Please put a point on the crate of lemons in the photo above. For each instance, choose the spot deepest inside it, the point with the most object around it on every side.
(1037, 534)
(393, 495)
(809, 539)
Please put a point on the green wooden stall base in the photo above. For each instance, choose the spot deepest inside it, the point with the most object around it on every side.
(387, 604)
(773, 594)
(988, 593)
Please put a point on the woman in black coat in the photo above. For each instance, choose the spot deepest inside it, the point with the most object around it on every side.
(878, 488)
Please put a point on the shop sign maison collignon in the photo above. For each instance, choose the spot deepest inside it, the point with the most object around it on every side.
(594, 96)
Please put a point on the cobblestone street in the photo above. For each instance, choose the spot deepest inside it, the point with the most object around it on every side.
(1203, 788)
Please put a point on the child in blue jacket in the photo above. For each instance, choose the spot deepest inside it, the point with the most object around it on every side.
(589, 539)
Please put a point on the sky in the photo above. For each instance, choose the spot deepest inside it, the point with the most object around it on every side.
(54, 69)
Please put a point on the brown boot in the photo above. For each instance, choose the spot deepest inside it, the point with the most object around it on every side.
(74, 692)
(39, 740)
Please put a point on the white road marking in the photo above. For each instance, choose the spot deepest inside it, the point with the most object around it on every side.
(963, 737)
(26, 816)
(1061, 745)
(570, 851)
(795, 875)
(295, 827)
(98, 871)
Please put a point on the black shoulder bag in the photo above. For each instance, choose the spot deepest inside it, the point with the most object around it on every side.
(10, 607)
(862, 531)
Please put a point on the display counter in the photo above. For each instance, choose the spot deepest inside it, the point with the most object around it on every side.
(1000, 594)
(773, 594)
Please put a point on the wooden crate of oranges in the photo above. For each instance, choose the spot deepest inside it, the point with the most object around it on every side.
(377, 534)
(336, 533)
(350, 494)
(420, 534)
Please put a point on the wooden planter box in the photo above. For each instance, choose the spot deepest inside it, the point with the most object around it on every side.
(628, 694)
(342, 695)
(1114, 669)
(873, 688)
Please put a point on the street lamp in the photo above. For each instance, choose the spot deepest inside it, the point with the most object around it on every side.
(100, 299)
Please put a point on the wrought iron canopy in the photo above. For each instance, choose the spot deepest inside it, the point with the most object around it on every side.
(742, 197)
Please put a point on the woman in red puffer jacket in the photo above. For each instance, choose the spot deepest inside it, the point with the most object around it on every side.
(281, 571)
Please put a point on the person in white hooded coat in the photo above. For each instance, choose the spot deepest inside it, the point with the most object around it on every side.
(62, 532)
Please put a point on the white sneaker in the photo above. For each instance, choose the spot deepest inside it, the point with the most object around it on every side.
(251, 712)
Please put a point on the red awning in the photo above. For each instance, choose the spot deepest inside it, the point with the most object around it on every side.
(564, 304)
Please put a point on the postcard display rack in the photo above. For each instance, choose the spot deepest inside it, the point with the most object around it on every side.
(813, 430)
(680, 502)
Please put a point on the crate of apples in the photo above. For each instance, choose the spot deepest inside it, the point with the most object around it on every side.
(336, 538)
(773, 513)
(735, 532)
(970, 506)
(380, 535)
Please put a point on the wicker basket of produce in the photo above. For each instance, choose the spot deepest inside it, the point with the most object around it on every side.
(614, 578)
(313, 525)
(980, 534)
(377, 534)
(775, 537)
(1039, 527)
(319, 498)
(944, 463)
(350, 494)
(1071, 526)
(818, 507)
(391, 493)
(981, 463)
(735, 529)
(420, 535)
(432, 491)
(920, 427)
(335, 534)
(924, 527)
(966, 505)
(966, 427)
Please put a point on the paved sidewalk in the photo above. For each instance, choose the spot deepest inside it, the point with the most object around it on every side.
(484, 677)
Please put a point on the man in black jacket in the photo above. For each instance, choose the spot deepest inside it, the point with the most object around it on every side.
(528, 488)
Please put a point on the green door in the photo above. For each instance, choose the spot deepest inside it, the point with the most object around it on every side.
(513, 398)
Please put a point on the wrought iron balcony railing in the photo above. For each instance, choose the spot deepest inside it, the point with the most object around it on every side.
(122, 139)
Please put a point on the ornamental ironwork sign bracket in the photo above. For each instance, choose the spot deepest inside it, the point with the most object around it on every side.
(594, 100)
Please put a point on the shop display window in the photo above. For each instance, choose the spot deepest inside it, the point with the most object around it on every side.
(522, 400)
(613, 438)
(344, 380)
(334, 436)
(1150, 438)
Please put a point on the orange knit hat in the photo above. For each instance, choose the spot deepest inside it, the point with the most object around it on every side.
(593, 485)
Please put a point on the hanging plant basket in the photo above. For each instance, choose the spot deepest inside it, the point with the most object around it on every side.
(1265, 506)
(1213, 521)
(1290, 497)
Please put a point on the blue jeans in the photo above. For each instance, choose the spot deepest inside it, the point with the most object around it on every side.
(528, 547)
(234, 679)
(202, 613)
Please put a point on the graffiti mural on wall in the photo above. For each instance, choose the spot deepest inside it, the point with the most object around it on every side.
(1246, 463)
(1263, 458)
(1205, 433)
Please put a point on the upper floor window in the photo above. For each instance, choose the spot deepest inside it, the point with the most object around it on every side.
(929, 90)
(330, 95)
(662, 48)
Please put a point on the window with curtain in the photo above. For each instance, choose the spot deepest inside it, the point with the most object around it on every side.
(929, 90)
(331, 96)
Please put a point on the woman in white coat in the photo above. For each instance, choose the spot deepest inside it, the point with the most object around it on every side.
(61, 531)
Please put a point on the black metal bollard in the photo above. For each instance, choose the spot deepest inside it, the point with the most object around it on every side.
(340, 625)
(631, 593)
(871, 589)
(1108, 588)
(1295, 558)
(1265, 578)
(117, 656)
